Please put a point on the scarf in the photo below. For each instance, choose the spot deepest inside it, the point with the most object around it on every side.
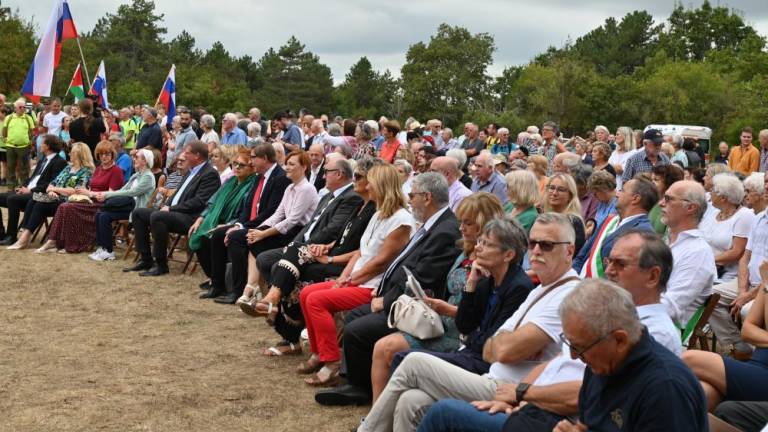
(227, 200)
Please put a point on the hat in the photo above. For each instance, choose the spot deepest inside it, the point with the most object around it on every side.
(653, 135)
(413, 126)
(499, 159)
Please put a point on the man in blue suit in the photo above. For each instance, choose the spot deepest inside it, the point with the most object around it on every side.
(634, 201)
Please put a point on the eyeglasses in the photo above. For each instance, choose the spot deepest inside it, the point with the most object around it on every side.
(239, 165)
(669, 198)
(359, 176)
(580, 352)
(559, 189)
(544, 245)
(331, 170)
(412, 194)
(485, 243)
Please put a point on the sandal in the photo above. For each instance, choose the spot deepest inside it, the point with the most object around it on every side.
(310, 366)
(332, 378)
(282, 348)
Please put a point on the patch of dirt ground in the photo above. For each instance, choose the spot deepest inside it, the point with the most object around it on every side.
(86, 347)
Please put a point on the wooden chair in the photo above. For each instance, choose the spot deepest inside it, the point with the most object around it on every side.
(181, 243)
(693, 334)
(125, 224)
(45, 225)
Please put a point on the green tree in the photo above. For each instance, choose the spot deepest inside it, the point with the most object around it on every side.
(365, 92)
(447, 76)
(19, 49)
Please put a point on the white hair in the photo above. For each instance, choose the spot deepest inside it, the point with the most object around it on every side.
(405, 164)
(230, 116)
(148, 156)
(459, 155)
(601, 128)
(729, 187)
(373, 125)
(756, 182)
(532, 130)
(254, 128)
(502, 131)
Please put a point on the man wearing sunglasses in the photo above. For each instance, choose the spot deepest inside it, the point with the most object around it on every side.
(640, 262)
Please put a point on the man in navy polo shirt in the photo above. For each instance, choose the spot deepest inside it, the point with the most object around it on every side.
(632, 383)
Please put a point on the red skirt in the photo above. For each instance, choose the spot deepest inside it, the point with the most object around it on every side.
(74, 226)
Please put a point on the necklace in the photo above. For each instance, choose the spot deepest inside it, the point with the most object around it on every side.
(722, 216)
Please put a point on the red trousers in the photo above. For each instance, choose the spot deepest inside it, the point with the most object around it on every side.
(318, 304)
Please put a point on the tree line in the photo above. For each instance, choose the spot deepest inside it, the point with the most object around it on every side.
(703, 66)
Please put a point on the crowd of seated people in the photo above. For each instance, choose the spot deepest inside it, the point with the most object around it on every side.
(563, 272)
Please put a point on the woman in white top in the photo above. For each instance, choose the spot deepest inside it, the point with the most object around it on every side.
(385, 236)
(726, 227)
(625, 147)
(220, 159)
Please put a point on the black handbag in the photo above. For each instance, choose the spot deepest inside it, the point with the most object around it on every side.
(119, 204)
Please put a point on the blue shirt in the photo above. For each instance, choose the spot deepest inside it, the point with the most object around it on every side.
(125, 164)
(234, 137)
(495, 185)
(192, 173)
(653, 390)
(292, 135)
(604, 210)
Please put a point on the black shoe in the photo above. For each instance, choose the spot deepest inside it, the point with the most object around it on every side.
(212, 293)
(227, 298)
(156, 270)
(205, 285)
(7, 241)
(140, 266)
(347, 394)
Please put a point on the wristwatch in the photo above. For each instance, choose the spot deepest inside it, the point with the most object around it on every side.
(330, 260)
(520, 391)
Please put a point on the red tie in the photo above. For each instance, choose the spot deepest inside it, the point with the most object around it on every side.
(256, 198)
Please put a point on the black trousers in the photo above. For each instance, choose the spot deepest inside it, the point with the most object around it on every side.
(36, 212)
(747, 416)
(159, 224)
(15, 203)
(239, 249)
(465, 359)
(267, 259)
(213, 257)
(361, 332)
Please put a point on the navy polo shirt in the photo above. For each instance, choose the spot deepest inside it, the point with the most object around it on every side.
(652, 391)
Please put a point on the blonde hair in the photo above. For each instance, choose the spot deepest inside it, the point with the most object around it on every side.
(82, 152)
(629, 138)
(574, 205)
(523, 188)
(386, 185)
(540, 164)
(482, 207)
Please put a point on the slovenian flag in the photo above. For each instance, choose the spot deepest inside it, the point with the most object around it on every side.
(99, 86)
(76, 87)
(168, 94)
(60, 26)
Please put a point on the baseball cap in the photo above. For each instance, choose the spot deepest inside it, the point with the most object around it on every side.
(653, 135)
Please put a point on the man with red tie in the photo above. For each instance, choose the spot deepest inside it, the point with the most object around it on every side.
(257, 206)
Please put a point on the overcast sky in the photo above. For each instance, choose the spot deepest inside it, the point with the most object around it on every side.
(340, 32)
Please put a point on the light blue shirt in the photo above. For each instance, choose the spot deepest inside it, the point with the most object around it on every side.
(234, 137)
(192, 173)
(495, 185)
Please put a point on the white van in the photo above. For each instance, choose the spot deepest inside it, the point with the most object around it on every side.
(702, 134)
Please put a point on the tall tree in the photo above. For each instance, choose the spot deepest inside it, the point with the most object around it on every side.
(447, 76)
(365, 92)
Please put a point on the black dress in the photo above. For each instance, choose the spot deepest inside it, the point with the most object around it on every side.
(89, 134)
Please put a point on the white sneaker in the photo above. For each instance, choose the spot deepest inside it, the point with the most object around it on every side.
(96, 253)
(104, 256)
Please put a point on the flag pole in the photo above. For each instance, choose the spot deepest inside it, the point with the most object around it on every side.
(70, 83)
(82, 58)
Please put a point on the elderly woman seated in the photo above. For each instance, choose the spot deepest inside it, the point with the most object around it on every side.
(221, 159)
(486, 286)
(754, 192)
(44, 204)
(118, 205)
(74, 226)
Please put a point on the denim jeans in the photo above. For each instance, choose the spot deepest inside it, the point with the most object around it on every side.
(452, 415)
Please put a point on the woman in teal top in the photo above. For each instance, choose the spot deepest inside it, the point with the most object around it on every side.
(44, 204)
(523, 192)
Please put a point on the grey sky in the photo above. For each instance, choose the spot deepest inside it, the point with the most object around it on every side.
(340, 32)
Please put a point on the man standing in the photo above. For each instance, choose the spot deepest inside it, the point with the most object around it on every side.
(646, 160)
(472, 145)
(187, 134)
(682, 208)
(52, 121)
(550, 146)
(189, 200)
(129, 128)
(744, 158)
(316, 174)
(17, 134)
(255, 115)
(449, 168)
(291, 133)
(230, 133)
(488, 179)
(150, 134)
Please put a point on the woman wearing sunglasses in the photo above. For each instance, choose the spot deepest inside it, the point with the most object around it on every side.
(562, 197)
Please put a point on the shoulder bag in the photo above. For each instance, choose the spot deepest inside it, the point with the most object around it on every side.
(412, 315)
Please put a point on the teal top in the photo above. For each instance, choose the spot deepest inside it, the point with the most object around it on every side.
(526, 218)
(140, 186)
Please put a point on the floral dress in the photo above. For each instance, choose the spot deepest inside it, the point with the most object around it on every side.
(450, 340)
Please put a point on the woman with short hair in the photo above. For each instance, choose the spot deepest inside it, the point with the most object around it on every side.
(391, 144)
(601, 152)
(220, 159)
(754, 192)
(523, 193)
(603, 186)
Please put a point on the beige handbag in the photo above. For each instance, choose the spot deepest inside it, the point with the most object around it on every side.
(412, 315)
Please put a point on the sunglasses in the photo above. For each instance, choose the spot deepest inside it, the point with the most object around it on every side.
(359, 176)
(239, 165)
(544, 245)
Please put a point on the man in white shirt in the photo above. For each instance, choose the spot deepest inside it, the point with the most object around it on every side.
(529, 338)
(682, 207)
(449, 168)
(52, 121)
(316, 171)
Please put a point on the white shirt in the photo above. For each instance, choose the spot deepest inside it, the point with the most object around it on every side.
(313, 174)
(629, 218)
(620, 159)
(692, 276)
(373, 239)
(33, 182)
(719, 234)
(53, 122)
(544, 315)
(757, 244)
(336, 194)
(210, 136)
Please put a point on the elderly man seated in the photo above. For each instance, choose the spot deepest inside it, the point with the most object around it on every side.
(682, 208)
(526, 340)
(488, 179)
(641, 263)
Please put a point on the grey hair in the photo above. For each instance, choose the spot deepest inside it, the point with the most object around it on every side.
(119, 137)
(459, 155)
(449, 131)
(677, 140)
(756, 182)
(373, 125)
(365, 164)
(254, 128)
(569, 160)
(696, 196)
(602, 128)
(653, 253)
(435, 184)
(532, 129)
(566, 227)
(345, 168)
(510, 235)
(502, 130)
(717, 168)
(152, 112)
(729, 187)
(208, 120)
(407, 167)
(581, 173)
(334, 129)
(230, 116)
(604, 307)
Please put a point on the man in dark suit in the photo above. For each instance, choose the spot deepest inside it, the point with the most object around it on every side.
(46, 170)
(331, 215)
(316, 173)
(189, 200)
(634, 201)
(429, 255)
(260, 203)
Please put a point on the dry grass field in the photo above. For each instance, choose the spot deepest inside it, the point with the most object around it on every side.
(85, 347)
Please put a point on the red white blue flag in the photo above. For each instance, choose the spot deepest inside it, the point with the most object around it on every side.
(168, 94)
(99, 86)
(60, 27)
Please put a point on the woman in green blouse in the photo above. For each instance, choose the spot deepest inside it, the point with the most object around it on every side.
(43, 205)
(523, 193)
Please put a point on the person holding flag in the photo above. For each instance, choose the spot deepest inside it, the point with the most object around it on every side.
(76, 88)
(635, 200)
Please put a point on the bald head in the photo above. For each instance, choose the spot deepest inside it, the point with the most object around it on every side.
(683, 205)
(447, 166)
(316, 154)
(316, 126)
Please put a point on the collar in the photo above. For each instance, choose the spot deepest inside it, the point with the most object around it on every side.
(630, 218)
(269, 172)
(196, 169)
(50, 156)
(433, 219)
(637, 354)
(649, 310)
(691, 233)
(341, 190)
